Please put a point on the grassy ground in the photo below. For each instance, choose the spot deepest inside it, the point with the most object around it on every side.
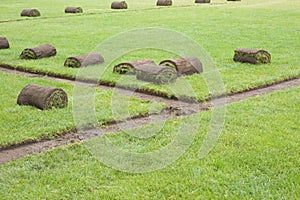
(256, 157)
(20, 123)
(217, 28)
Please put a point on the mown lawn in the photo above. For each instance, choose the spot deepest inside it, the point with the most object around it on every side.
(217, 28)
(256, 157)
(21, 123)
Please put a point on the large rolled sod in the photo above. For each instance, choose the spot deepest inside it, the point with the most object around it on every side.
(156, 74)
(42, 51)
(43, 97)
(131, 67)
(73, 10)
(164, 3)
(184, 66)
(84, 60)
(119, 5)
(4, 44)
(30, 13)
(253, 56)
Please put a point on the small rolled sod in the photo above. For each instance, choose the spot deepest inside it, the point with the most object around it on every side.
(42, 51)
(73, 10)
(184, 66)
(156, 74)
(119, 5)
(202, 1)
(131, 67)
(43, 97)
(30, 13)
(4, 44)
(164, 2)
(84, 60)
(253, 56)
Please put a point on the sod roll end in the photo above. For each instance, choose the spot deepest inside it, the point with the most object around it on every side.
(4, 44)
(43, 97)
(164, 3)
(30, 13)
(42, 51)
(119, 5)
(156, 74)
(252, 56)
(73, 10)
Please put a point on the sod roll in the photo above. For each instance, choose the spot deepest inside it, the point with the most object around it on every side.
(42, 51)
(156, 74)
(202, 1)
(119, 5)
(4, 44)
(253, 56)
(84, 60)
(43, 97)
(184, 66)
(131, 67)
(164, 2)
(30, 13)
(73, 10)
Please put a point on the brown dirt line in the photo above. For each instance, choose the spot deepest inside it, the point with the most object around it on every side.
(19, 151)
(140, 93)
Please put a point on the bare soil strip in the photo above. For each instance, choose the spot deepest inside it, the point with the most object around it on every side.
(179, 109)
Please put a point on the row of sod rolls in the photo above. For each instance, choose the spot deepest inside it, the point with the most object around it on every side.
(47, 50)
(114, 5)
(36, 13)
(166, 72)
(43, 97)
(183, 66)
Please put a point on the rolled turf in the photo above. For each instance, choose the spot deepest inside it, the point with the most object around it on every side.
(156, 74)
(202, 1)
(184, 66)
(84, 60)
(73, 10)
(164, 2)
(119, 5)
(4, 44)
(43, 97)
(253, 56)
(42, 51)
(131, 67)
(30, 13)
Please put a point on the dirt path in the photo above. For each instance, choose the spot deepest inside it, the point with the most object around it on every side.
(174, 109)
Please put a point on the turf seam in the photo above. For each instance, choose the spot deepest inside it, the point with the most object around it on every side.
(141, 90)
(74, 135)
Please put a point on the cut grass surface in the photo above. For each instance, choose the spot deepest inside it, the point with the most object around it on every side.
(10, 10)
(256, 157)
(23, 123)
(225, 28)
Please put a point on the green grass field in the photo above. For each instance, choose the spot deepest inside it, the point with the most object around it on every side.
(217, 28)
(25, 123)
(256, 157)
